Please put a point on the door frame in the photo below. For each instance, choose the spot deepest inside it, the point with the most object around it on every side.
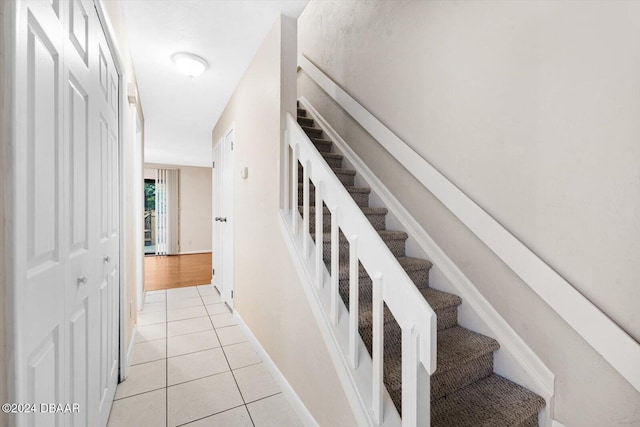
(228, 170)
(10, 10)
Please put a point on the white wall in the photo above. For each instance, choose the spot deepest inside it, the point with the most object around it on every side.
(531, 108)
(195, 215)
(195, 209)
(268, 293)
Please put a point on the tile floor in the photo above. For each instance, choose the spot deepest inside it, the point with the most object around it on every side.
(192, 365)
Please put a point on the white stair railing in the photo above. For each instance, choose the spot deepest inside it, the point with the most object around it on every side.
(391, 284)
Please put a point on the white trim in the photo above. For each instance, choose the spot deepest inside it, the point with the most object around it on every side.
(9, 138)
(288, 391)
(132, 343)
(555, 423)
(204, 251)
(540, 378)
(602, 333)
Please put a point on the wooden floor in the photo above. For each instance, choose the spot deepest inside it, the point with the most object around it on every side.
(166, 272)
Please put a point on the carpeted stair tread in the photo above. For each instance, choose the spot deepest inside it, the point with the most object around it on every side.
(413, 264)
(458, 345)
(302, 112)
(385, 234)
(437, 300)
(344, 171)
(349, 188)
(492, 401)
(364, 209)
(305, 121)
(320, 141)
(332, 156)
(311, 131)
(407, 263)
(463, 357)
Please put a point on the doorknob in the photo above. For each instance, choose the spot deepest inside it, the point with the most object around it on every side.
(107, 258)
(217, 218)
(82, 280)
(223, 219)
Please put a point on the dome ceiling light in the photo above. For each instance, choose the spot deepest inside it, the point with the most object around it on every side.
(189, 64)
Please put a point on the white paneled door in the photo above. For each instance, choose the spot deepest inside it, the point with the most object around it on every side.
(67, 214)
(223, 216)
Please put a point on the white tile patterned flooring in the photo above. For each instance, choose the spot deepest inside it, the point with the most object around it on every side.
(192, 365)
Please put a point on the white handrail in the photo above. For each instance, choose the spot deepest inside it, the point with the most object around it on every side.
(391, 284)
(616, 346)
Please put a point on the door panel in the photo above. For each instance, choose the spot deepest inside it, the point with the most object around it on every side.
(43, 105)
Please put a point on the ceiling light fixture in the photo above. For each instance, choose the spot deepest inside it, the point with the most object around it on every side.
(189, 64)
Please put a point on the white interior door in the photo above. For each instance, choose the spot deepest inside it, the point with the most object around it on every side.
(223, 217)
(66, 213)
(107, 292)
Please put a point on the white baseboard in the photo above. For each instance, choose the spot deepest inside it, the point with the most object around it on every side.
(555, 423)
(288, 391)
(204, 251)
(132, 343)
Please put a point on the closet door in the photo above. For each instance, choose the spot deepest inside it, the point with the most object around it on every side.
(41, 241)
(107, 294)
(66, 213)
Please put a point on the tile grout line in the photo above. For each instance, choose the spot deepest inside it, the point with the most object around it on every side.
(229, 364)
(212, 415)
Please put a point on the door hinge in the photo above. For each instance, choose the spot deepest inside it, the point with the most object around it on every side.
(213, 164)
(213, 271)
(232, 145)
(231, 294)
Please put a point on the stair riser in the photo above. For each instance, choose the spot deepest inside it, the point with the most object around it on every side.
(302, 112)
(396, 247)
(305, 121)
(313, 132)
(323, 148)
(377, 220)
(362, 199)
(345, 179)
(334, 163)
(443, 383)
(446, 317)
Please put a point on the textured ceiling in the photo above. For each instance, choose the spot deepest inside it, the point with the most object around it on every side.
(179, 111)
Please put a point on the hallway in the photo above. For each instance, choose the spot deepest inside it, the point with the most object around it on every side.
(193, 365)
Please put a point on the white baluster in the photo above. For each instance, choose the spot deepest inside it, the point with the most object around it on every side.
(416, 385)
(354, 292)
(319, 234)
(287, 172)
(294, 190)
(305, 208)
(378, 349)
(335, 258)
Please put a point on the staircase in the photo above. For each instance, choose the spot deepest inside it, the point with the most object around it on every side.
(464, 389)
